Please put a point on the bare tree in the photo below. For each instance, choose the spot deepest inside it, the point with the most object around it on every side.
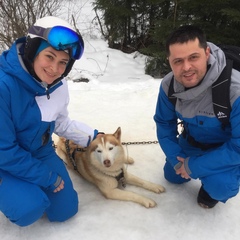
(17, 16)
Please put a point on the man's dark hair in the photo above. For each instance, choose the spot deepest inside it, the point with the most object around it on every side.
(184, 34)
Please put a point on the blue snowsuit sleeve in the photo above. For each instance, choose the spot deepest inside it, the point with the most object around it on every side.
(166, 122)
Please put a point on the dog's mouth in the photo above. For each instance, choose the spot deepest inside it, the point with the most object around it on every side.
(107, 163)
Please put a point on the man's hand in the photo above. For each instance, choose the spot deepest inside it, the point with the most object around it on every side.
(60, 187)
(181, 171)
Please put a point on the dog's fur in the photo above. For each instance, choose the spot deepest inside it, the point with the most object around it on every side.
(102, 162)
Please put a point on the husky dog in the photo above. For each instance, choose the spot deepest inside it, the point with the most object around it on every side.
(102, 163)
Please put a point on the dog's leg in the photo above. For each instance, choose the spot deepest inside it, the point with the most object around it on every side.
(118, 194)
(128, 160)
(131, 179)
(61, 154)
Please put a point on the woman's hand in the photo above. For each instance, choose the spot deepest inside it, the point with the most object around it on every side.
(60, 187)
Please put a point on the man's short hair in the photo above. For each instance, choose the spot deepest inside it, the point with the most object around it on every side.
(184, 34)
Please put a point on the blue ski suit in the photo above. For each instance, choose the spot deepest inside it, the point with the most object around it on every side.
(29, 168)
(217, 167)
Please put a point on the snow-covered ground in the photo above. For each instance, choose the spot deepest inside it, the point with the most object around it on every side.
(120, 94)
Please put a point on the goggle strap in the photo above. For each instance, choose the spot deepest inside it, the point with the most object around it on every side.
(39, 31)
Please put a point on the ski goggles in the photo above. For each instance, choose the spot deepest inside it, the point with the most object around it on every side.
(61, 38)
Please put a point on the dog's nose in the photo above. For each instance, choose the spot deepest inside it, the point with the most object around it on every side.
(107, 163)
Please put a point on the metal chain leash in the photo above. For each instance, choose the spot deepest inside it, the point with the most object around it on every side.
(138, 143)
(126, 143)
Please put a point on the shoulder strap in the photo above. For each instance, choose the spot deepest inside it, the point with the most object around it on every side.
(221, 94)
(172, 98)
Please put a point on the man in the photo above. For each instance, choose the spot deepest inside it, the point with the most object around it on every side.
(204, 150)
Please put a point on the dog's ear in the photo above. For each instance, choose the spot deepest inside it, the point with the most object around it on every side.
(117, 134)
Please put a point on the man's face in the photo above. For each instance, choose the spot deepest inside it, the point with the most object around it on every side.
(188, 62)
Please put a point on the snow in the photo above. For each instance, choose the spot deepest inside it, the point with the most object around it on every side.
(120, 94)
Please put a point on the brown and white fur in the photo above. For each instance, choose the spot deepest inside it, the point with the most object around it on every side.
(102, 163)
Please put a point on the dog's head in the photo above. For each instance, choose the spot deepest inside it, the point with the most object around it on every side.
(106, 151)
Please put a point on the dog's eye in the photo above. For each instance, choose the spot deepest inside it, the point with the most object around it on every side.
(111, 148)
(99, 151)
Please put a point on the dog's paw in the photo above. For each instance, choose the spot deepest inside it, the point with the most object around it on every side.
(158, 188)
(129, 160)
(149, 203)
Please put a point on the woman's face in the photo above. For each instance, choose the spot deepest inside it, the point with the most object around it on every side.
(50, 64)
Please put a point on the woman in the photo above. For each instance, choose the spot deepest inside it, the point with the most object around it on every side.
(33, 105)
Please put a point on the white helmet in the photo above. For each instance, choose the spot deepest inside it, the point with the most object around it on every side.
(49, 22)
(59, 34)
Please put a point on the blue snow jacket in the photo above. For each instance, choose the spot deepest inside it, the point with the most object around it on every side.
(28, 119)
(195, 108)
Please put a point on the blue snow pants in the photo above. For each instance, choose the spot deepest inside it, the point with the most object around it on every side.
(220, 186)
(23, 203)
